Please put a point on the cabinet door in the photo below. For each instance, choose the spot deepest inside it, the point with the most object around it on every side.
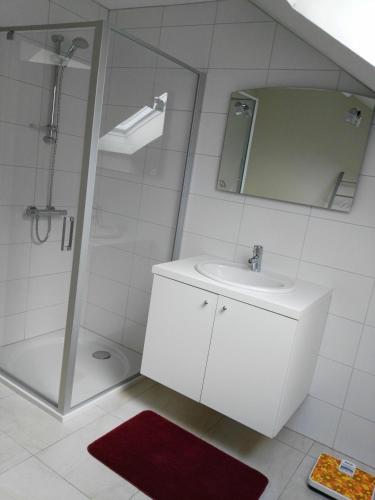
(178, 335)
(247, 364)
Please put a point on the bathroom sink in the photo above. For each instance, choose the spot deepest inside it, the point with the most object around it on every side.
(241, 276)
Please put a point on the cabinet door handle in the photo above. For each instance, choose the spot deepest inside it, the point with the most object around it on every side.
(224, 308)
(205, 303)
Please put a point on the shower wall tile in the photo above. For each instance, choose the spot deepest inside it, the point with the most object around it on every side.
(138, 304)
(68, 154)
(244, 48)
(48, 290)
(72, 116)
(112, 263)
(108, 294)
(16, 185)
(19, 70)
(76, 82)
(13, 296)
(12, 328)
(20, 102)
(134, 335)
(154, 241)
(117, 230)
(11, 137)
(120, 197)
(141, 273)
(164, 168)
(159, 205)
(15, 227)
(65, 188)
(14, 261)
(104, 322)
(45, 320)
(48, 259)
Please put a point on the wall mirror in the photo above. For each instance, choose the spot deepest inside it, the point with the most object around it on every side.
(299, 145)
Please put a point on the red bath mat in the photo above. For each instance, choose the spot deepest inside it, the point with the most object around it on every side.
(169, 463)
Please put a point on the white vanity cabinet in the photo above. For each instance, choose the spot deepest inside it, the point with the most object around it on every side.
(178, 335)
(248, 362)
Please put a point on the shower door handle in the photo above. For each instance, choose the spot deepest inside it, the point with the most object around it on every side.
(63, 234)
(68, 247)
(71, 232)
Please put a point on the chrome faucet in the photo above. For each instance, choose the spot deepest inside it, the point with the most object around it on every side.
(255, 260)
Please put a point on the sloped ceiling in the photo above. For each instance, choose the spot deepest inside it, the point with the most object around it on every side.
(311, 33)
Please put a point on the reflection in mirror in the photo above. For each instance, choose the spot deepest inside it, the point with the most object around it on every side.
(298, 145)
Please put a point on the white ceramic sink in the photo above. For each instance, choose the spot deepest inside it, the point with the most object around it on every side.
(242, 276)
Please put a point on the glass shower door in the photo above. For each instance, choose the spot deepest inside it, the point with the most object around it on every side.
(44, 85)
(144, 138)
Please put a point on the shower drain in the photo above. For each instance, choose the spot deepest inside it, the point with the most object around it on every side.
(101, 355)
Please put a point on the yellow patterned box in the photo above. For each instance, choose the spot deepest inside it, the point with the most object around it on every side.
(341, 479)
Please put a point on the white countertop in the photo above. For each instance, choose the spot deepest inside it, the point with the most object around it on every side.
(291, 304)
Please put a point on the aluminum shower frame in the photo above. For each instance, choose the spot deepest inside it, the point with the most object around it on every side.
(85, 204)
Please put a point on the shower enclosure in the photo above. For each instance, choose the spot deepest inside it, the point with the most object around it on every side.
(97, 132)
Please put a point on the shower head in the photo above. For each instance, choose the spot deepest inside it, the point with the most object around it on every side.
(77, 43)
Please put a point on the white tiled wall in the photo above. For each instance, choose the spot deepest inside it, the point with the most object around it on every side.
(34, 279)
(241, 47)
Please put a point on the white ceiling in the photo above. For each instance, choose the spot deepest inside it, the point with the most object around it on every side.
(315, 36)
(125, 4)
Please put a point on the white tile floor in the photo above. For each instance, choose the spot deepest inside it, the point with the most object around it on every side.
(41, 458)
